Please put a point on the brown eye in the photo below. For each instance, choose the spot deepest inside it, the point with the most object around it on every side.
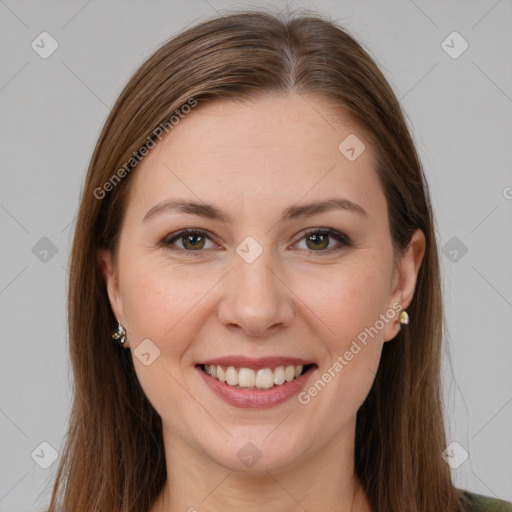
(193, 241)
(319, 240)
(187, 241)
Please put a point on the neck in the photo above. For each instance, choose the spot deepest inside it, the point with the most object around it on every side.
(324, 480)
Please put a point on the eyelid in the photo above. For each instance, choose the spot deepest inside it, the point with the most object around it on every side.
(166, 242)
(343, 240)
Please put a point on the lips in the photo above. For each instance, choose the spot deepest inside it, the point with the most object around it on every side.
(264, 387)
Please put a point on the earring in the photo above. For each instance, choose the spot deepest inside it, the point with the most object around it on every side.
(404, 317)
(119, 335)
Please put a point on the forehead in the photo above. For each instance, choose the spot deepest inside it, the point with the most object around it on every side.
(272, 150)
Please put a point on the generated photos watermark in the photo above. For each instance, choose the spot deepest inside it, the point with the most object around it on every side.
(343, 360)
(167, 126)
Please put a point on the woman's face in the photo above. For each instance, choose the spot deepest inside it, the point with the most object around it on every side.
(258, 279)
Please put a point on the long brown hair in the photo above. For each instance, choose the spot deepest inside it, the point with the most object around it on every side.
(113, 458)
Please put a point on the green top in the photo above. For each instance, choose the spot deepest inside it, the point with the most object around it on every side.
(479, 503)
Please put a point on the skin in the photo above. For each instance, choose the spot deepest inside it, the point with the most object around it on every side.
(254, 159)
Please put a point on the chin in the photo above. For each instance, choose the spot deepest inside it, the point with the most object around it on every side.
(257, 452)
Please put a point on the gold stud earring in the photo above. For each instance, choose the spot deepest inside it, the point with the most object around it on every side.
(404, 317)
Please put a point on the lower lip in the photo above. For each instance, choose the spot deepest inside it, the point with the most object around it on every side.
(251, 398)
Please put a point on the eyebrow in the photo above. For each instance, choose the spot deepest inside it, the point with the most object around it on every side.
(293, 212)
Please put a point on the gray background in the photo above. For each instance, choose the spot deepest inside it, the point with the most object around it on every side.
(52, 110)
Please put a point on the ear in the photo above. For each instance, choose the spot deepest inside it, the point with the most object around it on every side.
(109, 272)
(404, 280)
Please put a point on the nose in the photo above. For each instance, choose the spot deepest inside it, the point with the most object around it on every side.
(257, 299)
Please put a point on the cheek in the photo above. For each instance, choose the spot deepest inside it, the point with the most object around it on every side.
(164, 306)
(347, 299)
(159, 305)
(348, 309)
(347, 320)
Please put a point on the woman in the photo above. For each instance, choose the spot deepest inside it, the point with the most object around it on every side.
(256, 237)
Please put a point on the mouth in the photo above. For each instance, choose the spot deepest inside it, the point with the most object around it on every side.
(254, 378)
(256, 383)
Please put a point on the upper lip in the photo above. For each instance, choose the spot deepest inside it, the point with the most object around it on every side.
(256, 363)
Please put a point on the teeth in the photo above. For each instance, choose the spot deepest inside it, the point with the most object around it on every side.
(231, 376)
(264, 378)
(247, 377)
(279, 376)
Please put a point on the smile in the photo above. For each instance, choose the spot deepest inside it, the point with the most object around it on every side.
(255, 383)
(263, 378)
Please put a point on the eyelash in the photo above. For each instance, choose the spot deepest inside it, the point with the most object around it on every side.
(340, 237)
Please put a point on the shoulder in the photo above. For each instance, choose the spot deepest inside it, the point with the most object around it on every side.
(478, 503)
